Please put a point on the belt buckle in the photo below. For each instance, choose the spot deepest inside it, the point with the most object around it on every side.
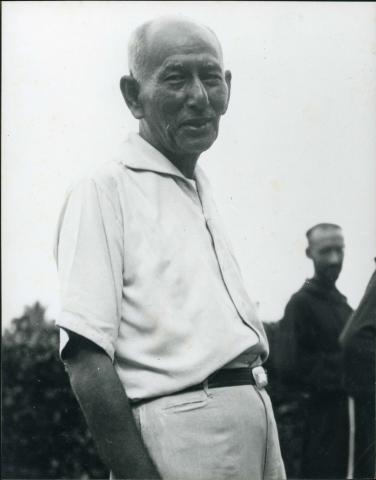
(260, 376)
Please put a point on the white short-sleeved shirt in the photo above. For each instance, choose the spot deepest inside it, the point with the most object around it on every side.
(147, 274)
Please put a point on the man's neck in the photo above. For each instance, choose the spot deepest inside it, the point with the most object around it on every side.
(186, 166)
(186, 163)
(324, 282)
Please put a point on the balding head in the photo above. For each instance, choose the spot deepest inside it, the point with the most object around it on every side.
(155, 33)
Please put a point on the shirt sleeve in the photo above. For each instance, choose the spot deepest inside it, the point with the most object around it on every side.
(89, 256)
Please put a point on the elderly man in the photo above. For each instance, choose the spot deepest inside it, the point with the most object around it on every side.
(161, 342)
(309, 355)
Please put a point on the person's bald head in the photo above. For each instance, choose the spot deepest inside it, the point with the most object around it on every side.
(151, 36)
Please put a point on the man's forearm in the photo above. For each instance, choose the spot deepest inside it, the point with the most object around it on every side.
(109, 416)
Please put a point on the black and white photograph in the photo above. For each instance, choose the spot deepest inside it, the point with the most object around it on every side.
(188, 240)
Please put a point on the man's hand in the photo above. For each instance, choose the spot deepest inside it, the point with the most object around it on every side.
(107, 410)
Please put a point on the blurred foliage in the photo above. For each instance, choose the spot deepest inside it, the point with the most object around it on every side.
(44, 434)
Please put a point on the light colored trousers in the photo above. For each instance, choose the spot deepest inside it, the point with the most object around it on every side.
(223, 433)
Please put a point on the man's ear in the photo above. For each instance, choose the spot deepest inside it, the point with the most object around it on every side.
(130, 89)
(228, 77)
(308, 252)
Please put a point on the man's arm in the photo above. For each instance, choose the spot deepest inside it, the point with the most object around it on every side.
(107, 410)
(286, 344)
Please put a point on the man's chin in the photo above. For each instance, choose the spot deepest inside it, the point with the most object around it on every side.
(332, 277)
(197, 145)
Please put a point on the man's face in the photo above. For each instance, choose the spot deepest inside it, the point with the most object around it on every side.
(327, 251)
(185, 91)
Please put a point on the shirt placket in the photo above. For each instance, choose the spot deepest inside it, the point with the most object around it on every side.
(229, 271)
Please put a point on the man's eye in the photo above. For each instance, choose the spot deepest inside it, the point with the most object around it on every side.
(174, 78)
(213, 78)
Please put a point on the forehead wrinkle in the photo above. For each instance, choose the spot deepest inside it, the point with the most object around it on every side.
(161, 42)
(185, 60)
(149, 40)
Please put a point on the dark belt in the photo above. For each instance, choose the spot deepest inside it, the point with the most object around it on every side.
(226, 377)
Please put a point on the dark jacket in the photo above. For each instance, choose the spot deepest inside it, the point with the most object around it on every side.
(358, 341)
(309, 353)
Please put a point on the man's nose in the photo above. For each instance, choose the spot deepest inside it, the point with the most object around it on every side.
(197, 94)
(335, 258)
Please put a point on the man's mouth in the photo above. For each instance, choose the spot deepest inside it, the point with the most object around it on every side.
(197, 123)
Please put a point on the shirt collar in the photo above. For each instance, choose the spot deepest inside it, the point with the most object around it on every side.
(141, 155)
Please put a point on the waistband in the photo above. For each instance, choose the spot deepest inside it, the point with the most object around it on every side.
(225, 377)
